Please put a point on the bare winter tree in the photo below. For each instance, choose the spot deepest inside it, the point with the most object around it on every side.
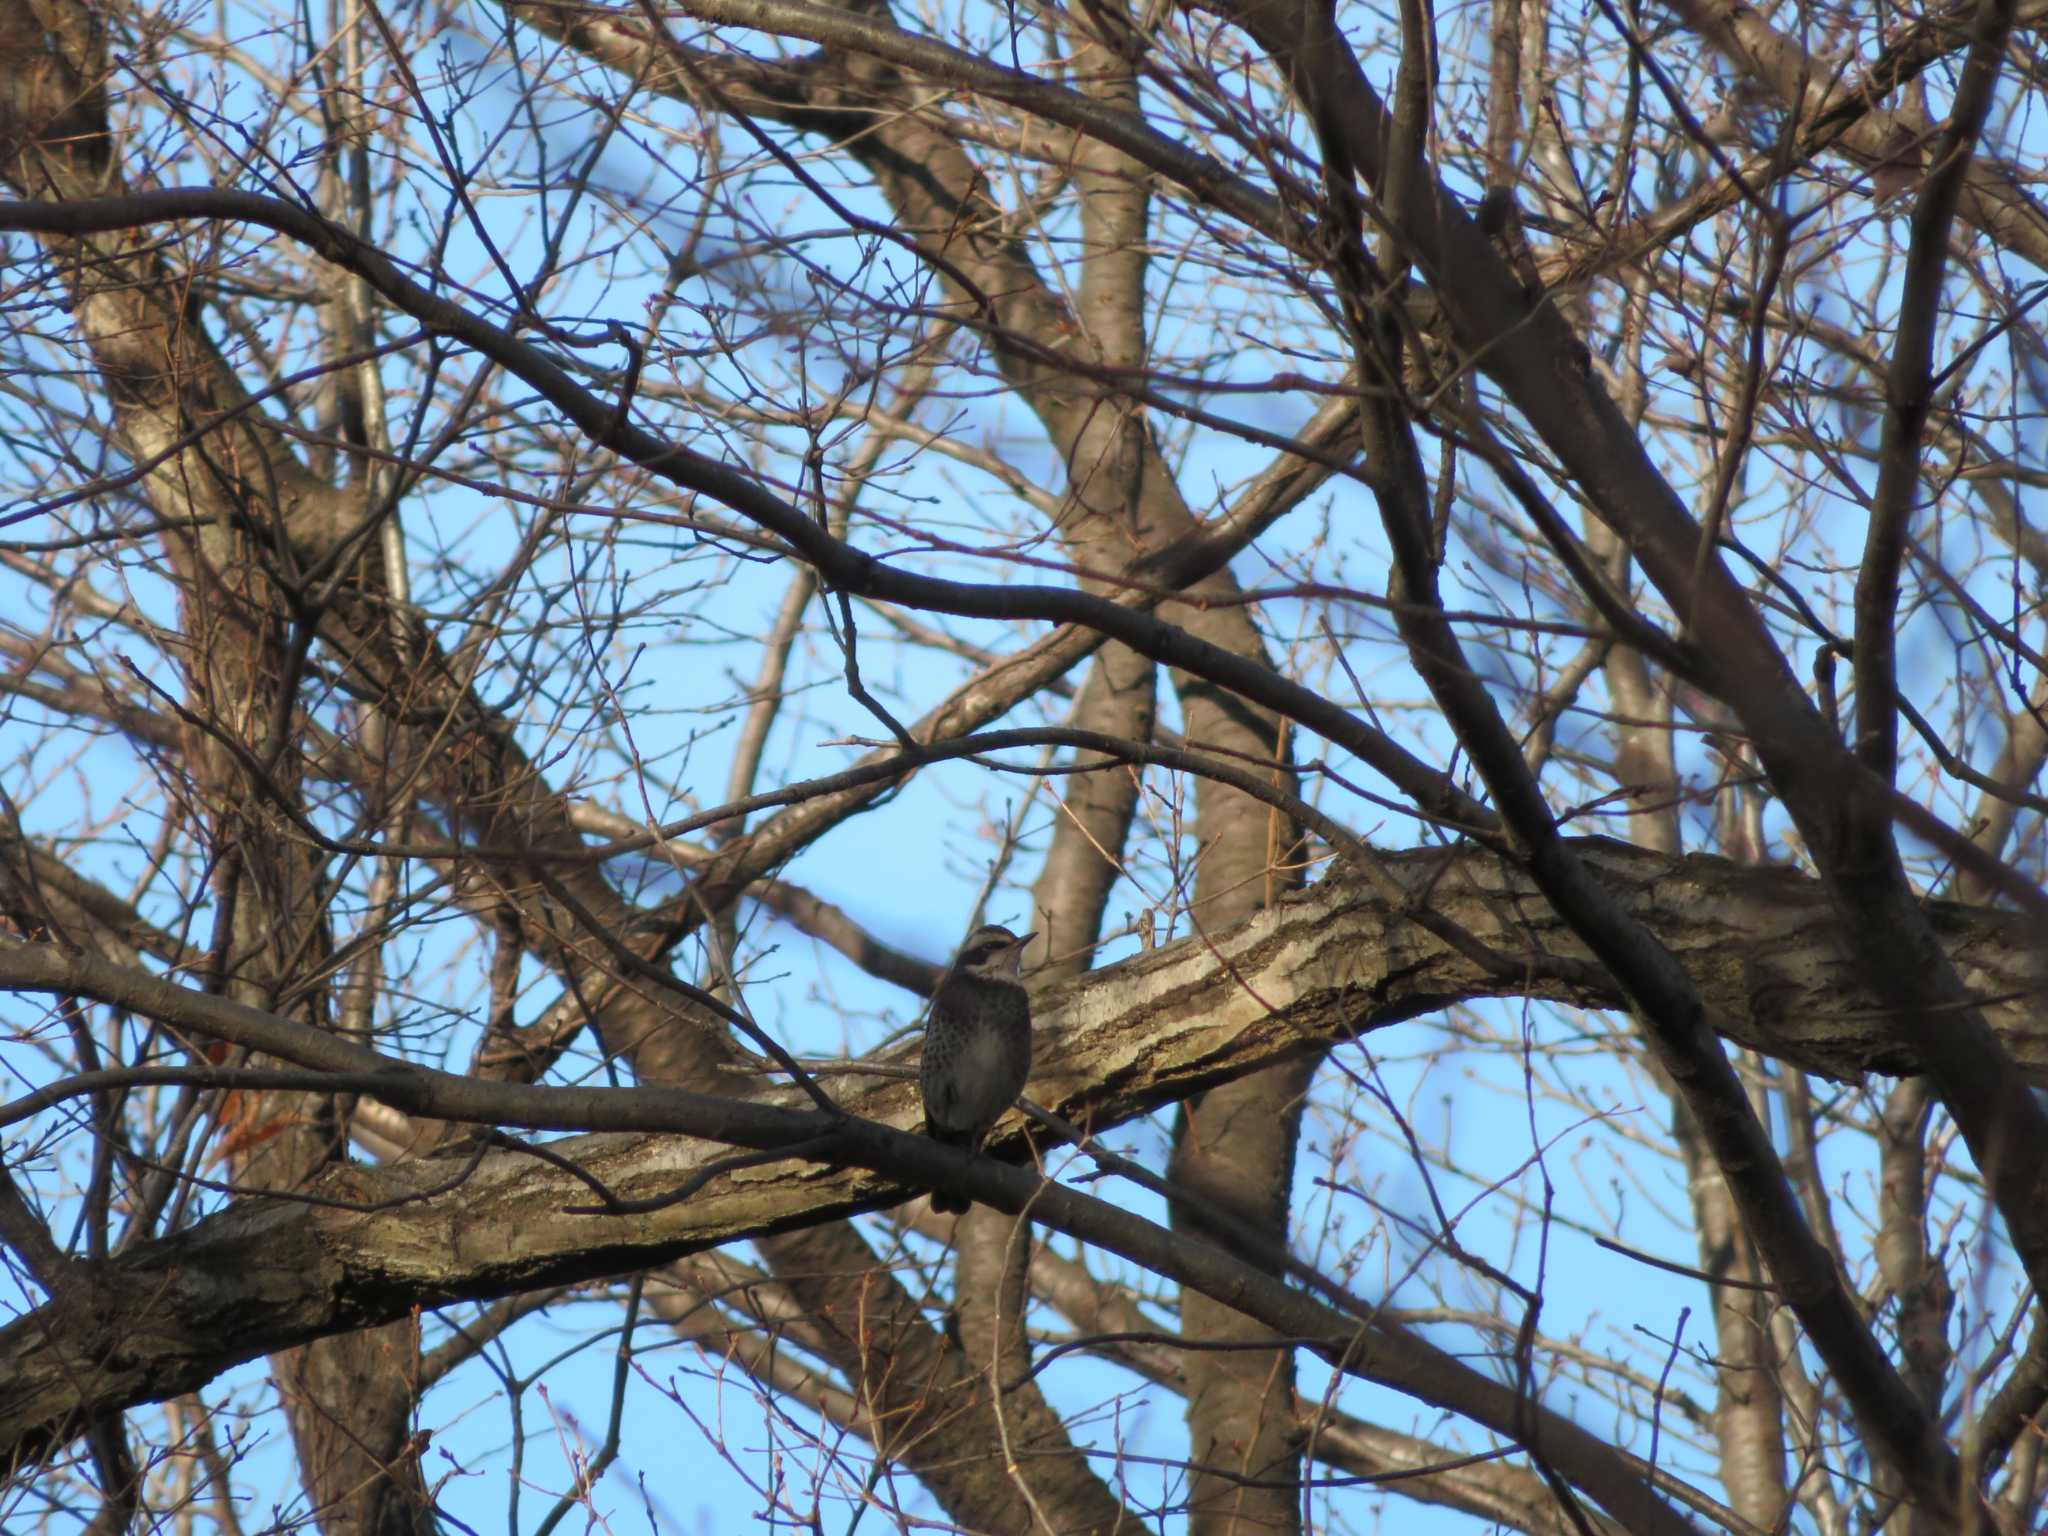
(1475, 573)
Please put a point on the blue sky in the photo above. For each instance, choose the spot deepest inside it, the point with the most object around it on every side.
(643, 722)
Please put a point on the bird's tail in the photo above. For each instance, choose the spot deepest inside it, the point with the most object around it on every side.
(944, 1203)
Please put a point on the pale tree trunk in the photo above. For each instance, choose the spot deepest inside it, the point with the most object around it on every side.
(1843, 974)
(349, 1400)
(1122, 505)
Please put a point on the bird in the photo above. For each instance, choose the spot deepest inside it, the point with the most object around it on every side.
(977, 1044)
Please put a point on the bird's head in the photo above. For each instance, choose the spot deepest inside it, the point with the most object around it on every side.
(992, 950)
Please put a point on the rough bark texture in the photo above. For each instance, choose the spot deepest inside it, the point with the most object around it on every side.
(1331, 962)
(1843, 973)
(1072, 894)
(1123, 503)
(348, 1400)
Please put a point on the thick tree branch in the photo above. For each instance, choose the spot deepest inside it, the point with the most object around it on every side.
(362, 1246)
(1327, 964)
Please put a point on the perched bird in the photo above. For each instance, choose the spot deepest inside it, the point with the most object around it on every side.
(977, 1044)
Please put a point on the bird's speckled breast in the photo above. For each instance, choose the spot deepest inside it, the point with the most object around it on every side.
(977, 1052)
